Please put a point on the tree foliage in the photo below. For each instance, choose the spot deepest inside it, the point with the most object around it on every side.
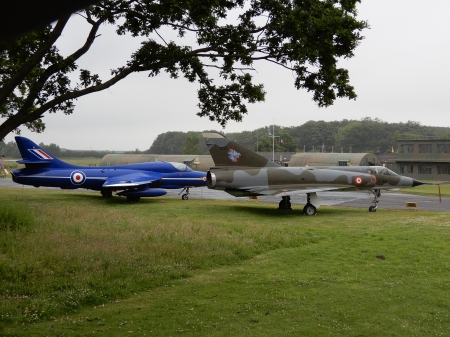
(212, 48)
(366, 135)
(176, 142)
(192, 144)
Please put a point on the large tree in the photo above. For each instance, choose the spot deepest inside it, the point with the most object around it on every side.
(306, 37)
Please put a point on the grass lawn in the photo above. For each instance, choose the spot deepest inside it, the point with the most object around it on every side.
(429, 190)
(75, 264)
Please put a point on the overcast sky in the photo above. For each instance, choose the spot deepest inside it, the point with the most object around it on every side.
(400, 72)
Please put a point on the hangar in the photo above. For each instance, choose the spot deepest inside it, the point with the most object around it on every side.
(334, 159)
(195, 162)
(204, 162)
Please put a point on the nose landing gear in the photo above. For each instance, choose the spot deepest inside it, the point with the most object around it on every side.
(185, 196)
(376, 194)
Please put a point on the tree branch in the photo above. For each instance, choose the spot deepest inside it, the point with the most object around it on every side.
(54, 68)
(22, 117)
(14, 81)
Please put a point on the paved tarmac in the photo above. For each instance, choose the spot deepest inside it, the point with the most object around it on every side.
(363, 199)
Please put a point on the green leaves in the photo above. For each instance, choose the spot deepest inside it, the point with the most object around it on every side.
(226, 102)
(306, 37)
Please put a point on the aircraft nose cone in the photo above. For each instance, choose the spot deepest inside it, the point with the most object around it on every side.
(417, 183)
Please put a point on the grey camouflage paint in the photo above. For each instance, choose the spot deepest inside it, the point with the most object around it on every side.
(242, 172)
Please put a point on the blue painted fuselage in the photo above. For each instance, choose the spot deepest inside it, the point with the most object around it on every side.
(165, 174)
(149, 179)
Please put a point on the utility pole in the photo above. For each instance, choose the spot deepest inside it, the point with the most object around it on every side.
(273, 141)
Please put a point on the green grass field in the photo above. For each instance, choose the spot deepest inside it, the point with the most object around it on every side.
(75, 264)
(429, 190)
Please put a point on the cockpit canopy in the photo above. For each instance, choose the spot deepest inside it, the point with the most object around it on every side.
(181, 167)
(381, 170)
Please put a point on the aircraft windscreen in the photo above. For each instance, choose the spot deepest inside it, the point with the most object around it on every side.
(181, 167)
(387, 172)
(381, 170)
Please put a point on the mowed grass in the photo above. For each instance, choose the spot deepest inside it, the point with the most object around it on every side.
(76, 264)
(429, 190)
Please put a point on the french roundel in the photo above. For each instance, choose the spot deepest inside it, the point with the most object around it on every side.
(77, 177)
(358, 180)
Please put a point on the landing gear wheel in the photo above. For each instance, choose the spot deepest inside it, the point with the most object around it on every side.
(285, 203)
(185, 197)
(376, 196)
(133, 199)
(106, 193)
(309, 209)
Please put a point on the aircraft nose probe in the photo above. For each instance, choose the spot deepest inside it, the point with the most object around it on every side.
(417, 183)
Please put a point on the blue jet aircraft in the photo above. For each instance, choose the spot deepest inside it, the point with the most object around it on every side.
(132, 180)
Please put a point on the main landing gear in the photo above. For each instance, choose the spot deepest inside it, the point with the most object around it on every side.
(106, 193)
(376, 194)
(185, 196)
(285, 202)
(309, 208)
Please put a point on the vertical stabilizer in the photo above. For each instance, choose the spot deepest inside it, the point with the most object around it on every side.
(33, 154)
(226, 152)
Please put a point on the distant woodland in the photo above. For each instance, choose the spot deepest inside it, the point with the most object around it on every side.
(366, 135)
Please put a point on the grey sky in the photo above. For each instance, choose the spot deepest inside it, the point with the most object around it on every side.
(400, 72)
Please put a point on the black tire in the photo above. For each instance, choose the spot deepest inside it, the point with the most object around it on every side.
(185, 197)
(106, 193)
(372, 209)
(133, 199)
(309, 209)
(284, 204)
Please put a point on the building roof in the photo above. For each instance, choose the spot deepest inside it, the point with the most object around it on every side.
(333, 159)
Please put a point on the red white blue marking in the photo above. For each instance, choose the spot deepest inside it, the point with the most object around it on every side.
(41, 154)
(77, 177)
(358, 181)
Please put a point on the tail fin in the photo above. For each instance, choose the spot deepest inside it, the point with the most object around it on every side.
(32, 155)
(226, 152)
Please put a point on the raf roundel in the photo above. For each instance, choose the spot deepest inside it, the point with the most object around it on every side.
(77, 177)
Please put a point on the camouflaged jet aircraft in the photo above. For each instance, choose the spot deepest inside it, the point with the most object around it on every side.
(242, 172)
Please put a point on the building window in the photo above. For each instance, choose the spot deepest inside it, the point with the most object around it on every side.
(407, 148)
(424, 169)
(342, 162)
(424, 148)
(443, 148)
(443, 169)
(405, 169)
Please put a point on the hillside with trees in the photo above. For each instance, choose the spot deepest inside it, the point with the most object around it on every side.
(365, 135)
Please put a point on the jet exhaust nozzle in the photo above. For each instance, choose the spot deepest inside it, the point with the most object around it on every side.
(211, 180)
